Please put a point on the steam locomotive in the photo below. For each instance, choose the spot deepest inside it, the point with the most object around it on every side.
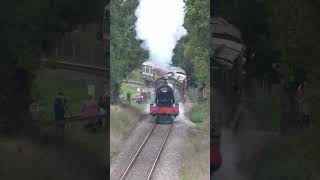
(170, 86)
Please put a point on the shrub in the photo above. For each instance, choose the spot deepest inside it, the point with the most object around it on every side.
(197, 114)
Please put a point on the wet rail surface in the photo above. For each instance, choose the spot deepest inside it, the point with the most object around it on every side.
(146, 157)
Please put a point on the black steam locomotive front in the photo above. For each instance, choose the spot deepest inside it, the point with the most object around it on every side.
(165, 108)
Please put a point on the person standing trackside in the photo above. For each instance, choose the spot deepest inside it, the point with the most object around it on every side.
(129, 97)
(60, 109)
(34, 110)
(89, 108)
(144, 96)
(138, 97)
(102, 111)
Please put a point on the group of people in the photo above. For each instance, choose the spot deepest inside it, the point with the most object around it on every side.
(141, 97)
(96, 113)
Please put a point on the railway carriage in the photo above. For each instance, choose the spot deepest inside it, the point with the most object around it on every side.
(150, 73)
(180, 77)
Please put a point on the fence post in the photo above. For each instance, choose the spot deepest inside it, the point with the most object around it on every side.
(57, 49)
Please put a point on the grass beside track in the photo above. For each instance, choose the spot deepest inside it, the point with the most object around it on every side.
(192, 95)
(47, 86)
(123, 120)
(196, 157)
(124, 89)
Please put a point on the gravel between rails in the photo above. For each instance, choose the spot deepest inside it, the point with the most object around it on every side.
(168, 167)
(146, 158)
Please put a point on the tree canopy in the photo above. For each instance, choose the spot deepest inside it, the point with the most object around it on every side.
(126, 53)
(192, 52)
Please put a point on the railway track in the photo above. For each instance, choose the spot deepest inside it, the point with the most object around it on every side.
(143, 163)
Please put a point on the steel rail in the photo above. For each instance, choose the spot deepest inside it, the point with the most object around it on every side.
(159, 152)
(137, 153)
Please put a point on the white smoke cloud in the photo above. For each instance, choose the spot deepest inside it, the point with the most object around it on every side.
(160, 25)
(181, 116)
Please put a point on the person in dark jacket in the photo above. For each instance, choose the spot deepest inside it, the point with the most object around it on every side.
(102, 110)
(129, 97)
(60, 109)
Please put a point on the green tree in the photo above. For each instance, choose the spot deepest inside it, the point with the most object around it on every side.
(126, 51)
(196, 44)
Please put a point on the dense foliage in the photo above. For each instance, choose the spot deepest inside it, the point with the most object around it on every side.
(192, 52)
(126, 53)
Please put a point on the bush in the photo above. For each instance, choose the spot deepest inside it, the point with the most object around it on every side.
(197, 114)
(191, 93)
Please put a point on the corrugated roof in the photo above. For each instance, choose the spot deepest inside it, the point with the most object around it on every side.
(147, 63)
(177, 69)
(226, 42)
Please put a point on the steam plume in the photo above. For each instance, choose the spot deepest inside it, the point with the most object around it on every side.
(160, 25)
